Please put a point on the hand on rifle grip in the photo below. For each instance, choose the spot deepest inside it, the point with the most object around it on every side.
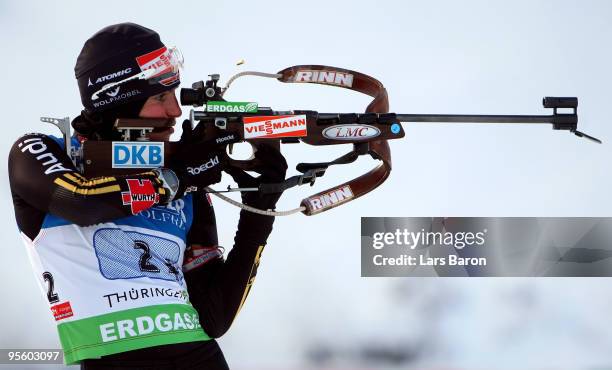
(197, 162)
(272, 167)
(255, 161)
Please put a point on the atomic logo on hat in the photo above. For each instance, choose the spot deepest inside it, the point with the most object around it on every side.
(124, 63)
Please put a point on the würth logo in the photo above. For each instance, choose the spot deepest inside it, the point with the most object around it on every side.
(141, 196)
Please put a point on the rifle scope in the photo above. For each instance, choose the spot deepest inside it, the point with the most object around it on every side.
(192, 97)
(201, 92)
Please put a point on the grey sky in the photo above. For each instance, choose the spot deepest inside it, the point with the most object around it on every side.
(434, 57)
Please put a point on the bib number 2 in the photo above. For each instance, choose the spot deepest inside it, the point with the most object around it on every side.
(129, 255)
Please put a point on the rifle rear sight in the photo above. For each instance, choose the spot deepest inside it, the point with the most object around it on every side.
(201, 92)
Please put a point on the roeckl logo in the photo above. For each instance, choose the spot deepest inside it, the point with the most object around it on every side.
(112, 76)
(225, 138)
(325, 77)
(330, 199)
(351, 132)
(274, 126)
(205, 166)
(36, 147)
(141, 195)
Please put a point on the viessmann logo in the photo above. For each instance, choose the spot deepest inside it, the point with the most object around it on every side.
(158, 59)
(274, 126)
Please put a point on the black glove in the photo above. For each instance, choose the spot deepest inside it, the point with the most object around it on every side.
(272, 169)
(198, 162)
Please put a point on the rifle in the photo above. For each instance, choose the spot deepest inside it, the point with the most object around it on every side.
(227, 123)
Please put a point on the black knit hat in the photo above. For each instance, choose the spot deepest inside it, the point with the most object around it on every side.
(115, 53)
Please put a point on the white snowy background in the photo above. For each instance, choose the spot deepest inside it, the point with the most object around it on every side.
(309, 307)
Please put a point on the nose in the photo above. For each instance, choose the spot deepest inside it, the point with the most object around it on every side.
(173, 109)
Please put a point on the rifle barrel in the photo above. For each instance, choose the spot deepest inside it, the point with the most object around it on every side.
(469, 118)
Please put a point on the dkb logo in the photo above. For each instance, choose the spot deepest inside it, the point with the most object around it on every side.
(137, 155)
